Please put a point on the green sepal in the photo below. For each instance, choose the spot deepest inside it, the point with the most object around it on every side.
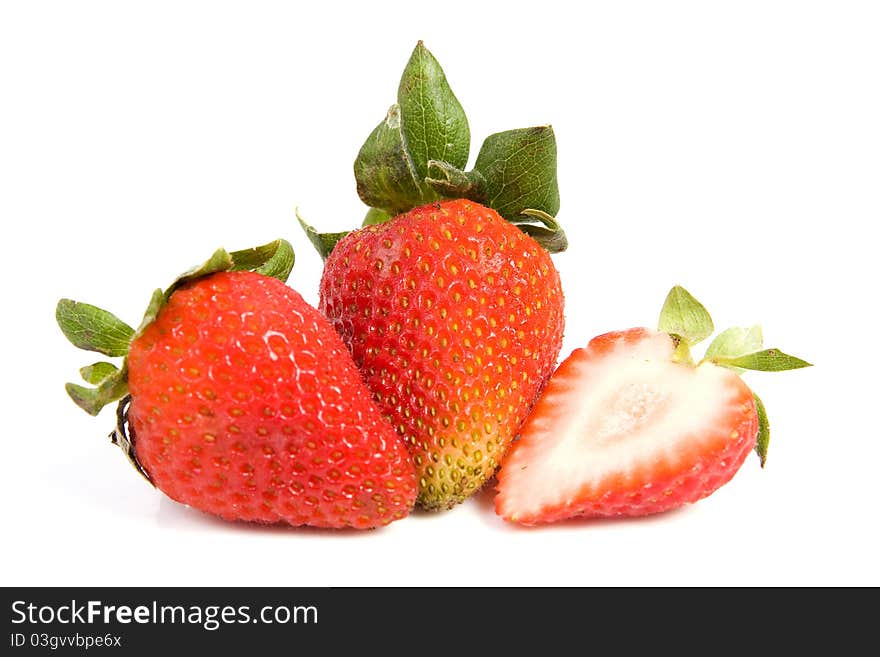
(763, 439)
(548, 233)
(97, 372)
(93, 329)
(435, 126)
(427, 123)
(684, 317)
(92, 400)
(734, 342)
(157, 300)
(515, 175)
(768, 360)
(323, 242)
(519, 172)
(274, 259)
(375, 216)
(384, 171)
(219, 261)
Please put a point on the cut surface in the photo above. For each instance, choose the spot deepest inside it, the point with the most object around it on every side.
(623, 430)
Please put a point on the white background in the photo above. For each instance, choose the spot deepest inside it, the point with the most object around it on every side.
(733, 148)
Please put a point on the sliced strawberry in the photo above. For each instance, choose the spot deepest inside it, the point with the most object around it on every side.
(622, 429)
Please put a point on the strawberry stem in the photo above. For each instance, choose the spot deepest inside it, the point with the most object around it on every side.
(682, 353)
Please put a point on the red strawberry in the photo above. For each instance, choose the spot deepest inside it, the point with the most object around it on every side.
(244, 403)
(455, 318)
(630, 426)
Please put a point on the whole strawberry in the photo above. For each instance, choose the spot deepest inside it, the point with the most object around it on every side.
(240, 400)
(455, 318)
(630, 425)
(453, 308)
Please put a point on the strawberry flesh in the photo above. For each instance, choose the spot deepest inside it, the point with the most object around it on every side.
(623, 430)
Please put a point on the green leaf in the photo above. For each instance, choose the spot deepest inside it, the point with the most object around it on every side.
(763, 440)
(427, 123)
(97, 372)
(685, 317)
(274, 259)
(92, 400)
(517, 179)
(768, 360)
(734, 342)
(376, 216)
(385, 174)
(549, 235)
(434, 123)
(519, 169)
(323, 242)
(91, 328)
(156, 302)
(220, 260)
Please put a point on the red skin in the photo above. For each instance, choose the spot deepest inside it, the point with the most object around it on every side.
(708, 461)
(246, 404)
(455, 318)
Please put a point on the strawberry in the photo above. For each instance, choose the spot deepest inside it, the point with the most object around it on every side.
(446, 297)
(455, 318)
(240, 400)
(630, 426)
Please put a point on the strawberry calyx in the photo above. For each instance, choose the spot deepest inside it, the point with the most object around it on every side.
(418, 154)
(95, 329)
(688, 322)
(324, 242)
(123, 437)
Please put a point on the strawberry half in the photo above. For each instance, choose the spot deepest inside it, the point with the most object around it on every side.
(630, 426)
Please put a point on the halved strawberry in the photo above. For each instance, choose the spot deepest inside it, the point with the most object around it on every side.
(630, 426)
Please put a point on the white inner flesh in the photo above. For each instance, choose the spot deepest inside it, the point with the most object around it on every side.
(630, 413)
